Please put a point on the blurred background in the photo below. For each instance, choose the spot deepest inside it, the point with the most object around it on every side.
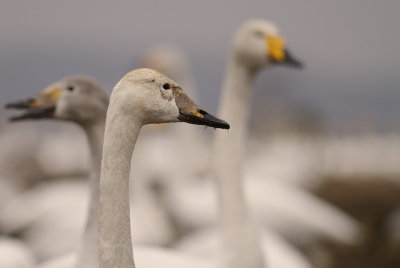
(337, 121)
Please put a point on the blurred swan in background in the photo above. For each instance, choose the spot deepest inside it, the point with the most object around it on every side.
(81, 100)
(208, 244)
(361, 156)
(143, 96)
(287, 215)
(49, 218)
(14, 254)
(68, 141)
(276, 204)
(57, 152)
(13, 178)
(172, 60)
(256, 43)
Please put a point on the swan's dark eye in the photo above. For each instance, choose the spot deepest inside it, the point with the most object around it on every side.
(259, 33)
(166, 86)
(70, 88)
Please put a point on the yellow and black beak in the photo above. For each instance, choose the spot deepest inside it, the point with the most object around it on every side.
(191, 113)
(279, 54)
(40, 107)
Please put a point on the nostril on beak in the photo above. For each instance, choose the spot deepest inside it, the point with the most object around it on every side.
(202, 112)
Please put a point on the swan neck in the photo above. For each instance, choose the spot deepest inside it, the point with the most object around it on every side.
(239, 233)
(95, 136)
(236, 95)
(121, 133)
(228, 147)
(88, 252)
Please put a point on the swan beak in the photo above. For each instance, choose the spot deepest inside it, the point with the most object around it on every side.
(279, 54)
(191, 113)
(39, 107)
(292, 61)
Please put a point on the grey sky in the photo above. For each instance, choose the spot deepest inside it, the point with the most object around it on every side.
(350, 48)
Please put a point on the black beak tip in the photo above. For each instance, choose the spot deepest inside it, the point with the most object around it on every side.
(18, 105)
(292, 61)
(297, 64)
(13, 119)
(34, 113)
(9, 105)
(220, 124)
(213, 121)
(225, 126)
(206, 119)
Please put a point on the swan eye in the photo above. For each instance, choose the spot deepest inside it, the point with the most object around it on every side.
(259, 33)
(166, 86)
(70, 88)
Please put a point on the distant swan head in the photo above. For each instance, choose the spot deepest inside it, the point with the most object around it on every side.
(154, 98)
(168, 59)
(258, 43)
(74, 98)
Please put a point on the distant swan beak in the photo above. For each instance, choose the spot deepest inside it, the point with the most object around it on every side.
(288, 59)
(279, 54)
(40, 107)
(191, 113)
(34, 113)
(292, 61)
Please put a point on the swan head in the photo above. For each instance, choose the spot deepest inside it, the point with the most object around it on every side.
(74, 98)
(166, 58)
(154, 98)
(258, 43)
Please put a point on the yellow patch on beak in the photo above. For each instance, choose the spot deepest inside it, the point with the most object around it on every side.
(195, 113)
(47, 98)
(275, 48)
(53, 93)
